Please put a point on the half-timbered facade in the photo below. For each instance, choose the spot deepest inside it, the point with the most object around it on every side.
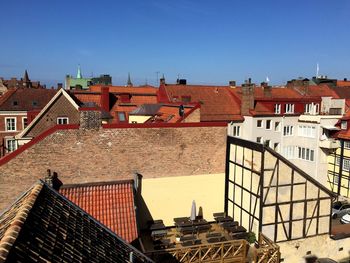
(266, 193)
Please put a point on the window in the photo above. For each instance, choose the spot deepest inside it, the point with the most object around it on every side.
(308, 108)
(317, 108)
(236, 131)
(277, 126)
(335, 111)
(346, 165)
(344, 125)
(15, 103)
(307, 131)
(347, 144)
(267, 143)
(289, 108)
(24, 122)
(259, 123)
(10, 124)
(305, 154)
(10, 145)
(259, 139)
(268, 125)
(277, 108)
(288, 130)
(289, 152)
(335, 179)
(121, 117)
(62, 120)
(276, 146)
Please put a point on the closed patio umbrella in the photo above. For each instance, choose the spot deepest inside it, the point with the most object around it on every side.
(193, 211)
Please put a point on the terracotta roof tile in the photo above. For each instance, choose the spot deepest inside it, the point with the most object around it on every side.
(217, 102)
(110, 203)
(43, 226)
(25, 99)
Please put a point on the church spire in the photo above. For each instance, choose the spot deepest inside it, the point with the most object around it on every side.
(26, 77)
(26, 80)
(79, 76)
(129, 80)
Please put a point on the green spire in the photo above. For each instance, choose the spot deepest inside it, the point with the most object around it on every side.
(79, 76)
(129, 80)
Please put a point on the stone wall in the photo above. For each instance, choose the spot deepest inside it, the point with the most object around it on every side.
(80, 156)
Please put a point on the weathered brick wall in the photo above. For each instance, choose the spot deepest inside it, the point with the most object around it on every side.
(80, 156)
(62, 108)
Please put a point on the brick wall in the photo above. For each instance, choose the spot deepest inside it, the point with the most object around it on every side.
(61, 108)
(80, 156)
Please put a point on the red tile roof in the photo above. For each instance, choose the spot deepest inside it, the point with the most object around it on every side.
(146, 89)
(25, 99)
(343, 83)
(111, 203)
(217, 102)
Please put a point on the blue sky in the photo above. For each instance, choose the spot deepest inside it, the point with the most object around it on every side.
(204, 41)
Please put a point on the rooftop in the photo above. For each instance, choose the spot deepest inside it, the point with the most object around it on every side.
(111, 203)
(42, 225)
(25, 99)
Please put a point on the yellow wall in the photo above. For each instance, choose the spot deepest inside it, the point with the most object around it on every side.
(333, 167)
(138, 119)
(170, 197)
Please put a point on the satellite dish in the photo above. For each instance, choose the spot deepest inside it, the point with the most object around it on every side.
(181, 110)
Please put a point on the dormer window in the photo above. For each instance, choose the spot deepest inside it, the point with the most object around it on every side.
(277, 108)
(62, 120)
(344, 125)
(289, 108)
(34, 103)
(308, 108)
(15, 103)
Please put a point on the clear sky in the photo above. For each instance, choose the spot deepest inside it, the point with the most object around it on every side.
(205, 41)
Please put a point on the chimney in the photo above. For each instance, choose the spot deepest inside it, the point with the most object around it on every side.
(105, 98)
(162, 81)
(266, 88)
(247, 102)
(90, 119)
(52, 180)
(232, 83)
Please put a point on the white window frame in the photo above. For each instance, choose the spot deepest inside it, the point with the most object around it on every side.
(6, 127)
(278, 127)
(277, 108)
(288, 130)
(289, 108)
(266, 121)
(236, 130)
(24, 118)
(306, 154)
(257, 124)
(267, 143)
(7, 144)
(60, 119)
(347, 144)
(261, 139)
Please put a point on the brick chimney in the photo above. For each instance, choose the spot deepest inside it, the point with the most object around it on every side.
(90, 119)
(247, 102)
(105, 98)
(266, 88)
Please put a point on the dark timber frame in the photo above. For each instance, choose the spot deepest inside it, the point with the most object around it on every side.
(266, 193)
(338, 176)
